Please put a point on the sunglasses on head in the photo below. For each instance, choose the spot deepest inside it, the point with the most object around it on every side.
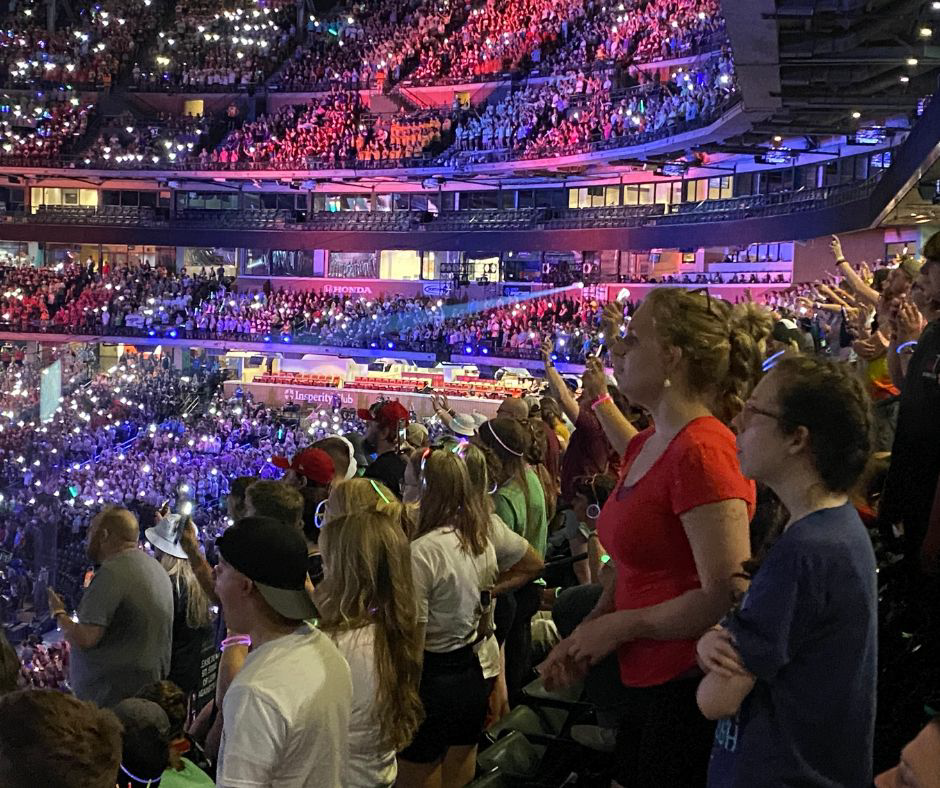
(319, 514)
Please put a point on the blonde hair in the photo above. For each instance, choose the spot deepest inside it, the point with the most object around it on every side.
(366, 495)
(448, 501)
(367, 581)
(477, 469)
(722, 345)
(197, 601)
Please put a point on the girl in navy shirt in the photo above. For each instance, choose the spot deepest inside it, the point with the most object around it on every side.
(790, 674)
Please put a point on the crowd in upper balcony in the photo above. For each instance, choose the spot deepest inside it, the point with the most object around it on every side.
(208, 47)
(598, 93)
(164, 141)
(42, 126)
(89, 47)
(573, 111)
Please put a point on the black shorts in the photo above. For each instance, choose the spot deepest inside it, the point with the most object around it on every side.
(454, 694)
(663, 740)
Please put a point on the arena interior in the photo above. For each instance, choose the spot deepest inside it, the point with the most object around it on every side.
(493, 393)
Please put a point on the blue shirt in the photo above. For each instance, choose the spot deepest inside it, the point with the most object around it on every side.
(807, 629)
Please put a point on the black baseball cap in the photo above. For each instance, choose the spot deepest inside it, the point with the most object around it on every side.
(274, 557)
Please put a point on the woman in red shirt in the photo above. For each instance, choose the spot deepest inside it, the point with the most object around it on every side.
(676, 528)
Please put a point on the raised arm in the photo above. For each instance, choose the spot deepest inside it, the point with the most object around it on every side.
(562, 393)
(189, 541)
(616, 426)
(861, 288)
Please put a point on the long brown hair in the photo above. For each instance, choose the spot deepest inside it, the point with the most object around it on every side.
(367, 581)
(448, 501)
(508, 440)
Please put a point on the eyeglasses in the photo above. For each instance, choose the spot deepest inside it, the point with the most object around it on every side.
(750, 409)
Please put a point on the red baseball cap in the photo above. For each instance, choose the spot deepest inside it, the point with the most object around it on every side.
(388, 414)
(314, 464)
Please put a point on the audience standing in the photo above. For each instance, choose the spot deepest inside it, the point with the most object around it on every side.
(286, 713)
(124, 633)
(791, 672)
(676, 527)
(366, 604)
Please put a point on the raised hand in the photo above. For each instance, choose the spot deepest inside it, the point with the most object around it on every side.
(547, 348)
(611, 321)
(594, 380)
(189, 539)
(836, 246)
(910, 322)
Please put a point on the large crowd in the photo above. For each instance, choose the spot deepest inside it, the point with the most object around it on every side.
(598, 93)
(208, 50)
(89, 48)
(572, 112)
(46, 126)
(166, 140)
(721, 542)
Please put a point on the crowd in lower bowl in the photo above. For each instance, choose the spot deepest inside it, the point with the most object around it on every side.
(705, 550)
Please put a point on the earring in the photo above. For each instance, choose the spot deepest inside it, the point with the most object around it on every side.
(667, 383)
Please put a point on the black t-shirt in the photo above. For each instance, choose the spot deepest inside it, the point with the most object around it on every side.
(915, 456)
(388, 468)
(188, 643)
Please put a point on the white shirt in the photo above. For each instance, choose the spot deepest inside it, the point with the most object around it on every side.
(368, 766)
(286, 716)
(510, 549)
(448, 581)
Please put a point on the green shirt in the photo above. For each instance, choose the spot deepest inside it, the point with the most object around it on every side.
(191, 777)
(510, 506)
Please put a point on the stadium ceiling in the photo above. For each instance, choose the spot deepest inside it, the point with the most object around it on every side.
(918, 204)
(829, 67)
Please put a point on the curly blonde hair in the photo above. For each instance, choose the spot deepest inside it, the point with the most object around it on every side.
(722, 344)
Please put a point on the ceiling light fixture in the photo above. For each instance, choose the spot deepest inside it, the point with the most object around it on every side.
(856, 115)
(912, 61)
(925, 32)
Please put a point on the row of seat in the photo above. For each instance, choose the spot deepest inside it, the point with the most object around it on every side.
(249, 219)
(83, 214)
(484, 390)
(297, 379)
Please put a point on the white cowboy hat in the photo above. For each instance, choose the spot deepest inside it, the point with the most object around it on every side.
(463, 425)
(165, 535)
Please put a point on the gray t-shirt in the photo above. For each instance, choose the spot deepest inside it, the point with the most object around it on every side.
(132, 598)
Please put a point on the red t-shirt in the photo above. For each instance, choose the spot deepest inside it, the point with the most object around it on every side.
(641, 528)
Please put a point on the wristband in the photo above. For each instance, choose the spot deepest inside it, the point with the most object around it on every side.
(904, 345)
(236, 640)
(600, 401)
